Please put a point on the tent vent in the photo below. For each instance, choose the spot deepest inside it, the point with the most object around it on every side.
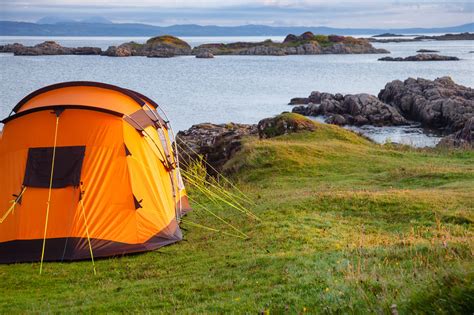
(127, 151)
(137, 203)
(67, 169)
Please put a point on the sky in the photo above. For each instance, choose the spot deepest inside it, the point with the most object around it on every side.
(333, 13)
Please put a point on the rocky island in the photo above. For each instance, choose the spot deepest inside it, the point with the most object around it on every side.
(421, 57)
(160, 47)
(461, 36)
(304, 44)
(48, 48)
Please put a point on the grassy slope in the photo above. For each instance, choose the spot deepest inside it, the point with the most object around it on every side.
(347, 226)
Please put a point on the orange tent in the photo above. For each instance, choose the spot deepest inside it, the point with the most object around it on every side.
(87, 170)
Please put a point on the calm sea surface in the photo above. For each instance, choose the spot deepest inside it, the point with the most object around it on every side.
(231, 88)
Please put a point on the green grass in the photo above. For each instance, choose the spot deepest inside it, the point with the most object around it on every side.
(347, 226)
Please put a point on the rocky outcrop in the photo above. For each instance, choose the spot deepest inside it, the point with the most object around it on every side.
(389, 35)
(205, 55)
(299, 101)
(463, 138)
(161, 53)
(461, 36)
(284, 124)
(358, 109)
(160, 47)
(304, 44)
(215, 143)
(10, 48)
(421, 57)
(87, 51)
(424, 51)
(440, 104)
(124, 50)
(49, 48)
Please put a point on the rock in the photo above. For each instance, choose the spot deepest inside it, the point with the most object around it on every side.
(290, 38)
(358, 109)
(307, 36)
(440, 104)
(120, 51)
(11, 48)
(156, 47)
(284, 124)
(45, 48)
(205, 54)
(315, 97)
(263, 50)
(427, 51)
(87, 51)
(166, 43)
(360, 120)
(215, 143)
(421, 57)
(299, 101)
(161, 53)
(463, 138)
(336, 120)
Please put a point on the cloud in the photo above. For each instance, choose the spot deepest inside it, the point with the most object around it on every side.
(336, 13)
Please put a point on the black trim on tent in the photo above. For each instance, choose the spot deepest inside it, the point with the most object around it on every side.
(129, 93)
(127, 151)
(54, 107)
(77, 248)
(145, 98)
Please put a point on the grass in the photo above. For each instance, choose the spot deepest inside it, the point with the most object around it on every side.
(347, 226)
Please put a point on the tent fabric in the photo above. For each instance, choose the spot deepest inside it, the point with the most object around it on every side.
(102, 160)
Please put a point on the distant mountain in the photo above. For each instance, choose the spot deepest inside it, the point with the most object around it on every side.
(98, 26)
(96, 20)
(54, 20)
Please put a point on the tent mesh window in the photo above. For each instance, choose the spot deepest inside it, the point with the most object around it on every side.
(67, 167)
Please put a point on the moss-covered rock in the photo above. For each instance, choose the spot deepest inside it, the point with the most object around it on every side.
(159, 46)
(284, 124)
(167, 41)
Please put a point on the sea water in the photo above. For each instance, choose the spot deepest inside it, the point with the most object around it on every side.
(240, 89)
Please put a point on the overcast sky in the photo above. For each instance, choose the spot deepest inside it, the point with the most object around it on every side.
(335, 13)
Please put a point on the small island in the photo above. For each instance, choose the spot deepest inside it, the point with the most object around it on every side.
(389, 35)
(159, 47)
(421, 57)
(424, 51)
(460, 36)
(304, 44)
